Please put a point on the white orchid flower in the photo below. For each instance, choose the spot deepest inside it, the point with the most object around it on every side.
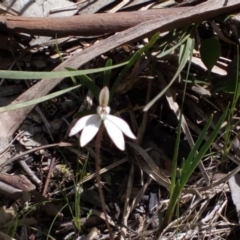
(90, 124)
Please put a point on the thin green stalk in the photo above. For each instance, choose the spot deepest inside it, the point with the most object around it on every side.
(98, 179)
(236, 96)
(174, 176)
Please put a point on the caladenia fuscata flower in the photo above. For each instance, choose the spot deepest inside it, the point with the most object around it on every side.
(91, 124)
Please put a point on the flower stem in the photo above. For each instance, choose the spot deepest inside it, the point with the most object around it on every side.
(97, 166)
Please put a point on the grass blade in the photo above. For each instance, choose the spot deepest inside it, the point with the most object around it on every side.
(190, 165)
(182, 64)
(133, 59)
(61, 74)
(37, 100)
(107, 73)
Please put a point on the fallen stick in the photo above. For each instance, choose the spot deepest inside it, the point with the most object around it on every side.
(84, 25)
(10, 121)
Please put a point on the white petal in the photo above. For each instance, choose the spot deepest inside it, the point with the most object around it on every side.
(115, 134)
(90, 130)
(104, 97)
(122, 125)
(80, 124)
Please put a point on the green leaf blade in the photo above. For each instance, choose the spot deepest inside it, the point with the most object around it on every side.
(210, 51)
